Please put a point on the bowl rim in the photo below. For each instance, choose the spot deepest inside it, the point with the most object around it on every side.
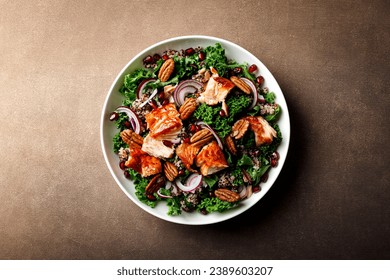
(223, 216)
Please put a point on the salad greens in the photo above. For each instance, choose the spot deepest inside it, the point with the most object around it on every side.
(250, 160)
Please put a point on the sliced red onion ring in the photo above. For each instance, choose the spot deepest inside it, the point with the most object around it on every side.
(163, 195)
(261, 99)
(243, 193)
(205, 125)
(168, 185)
(254, 92)
(141, 87)
(192, 183)
(150, 98)
(135, 122)
(249, 191)
(184, 88)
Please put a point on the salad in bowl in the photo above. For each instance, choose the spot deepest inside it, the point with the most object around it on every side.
(196, 131)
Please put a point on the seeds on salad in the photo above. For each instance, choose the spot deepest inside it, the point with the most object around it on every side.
(260, 80)
(252, 68)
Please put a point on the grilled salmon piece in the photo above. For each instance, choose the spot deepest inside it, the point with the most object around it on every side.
(264, 133)
(143, 163)
(187, 153)
(164, 122)
(211, 159)
(216, 90)
(156, 148)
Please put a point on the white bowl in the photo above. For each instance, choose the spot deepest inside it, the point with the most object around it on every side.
(114, 99)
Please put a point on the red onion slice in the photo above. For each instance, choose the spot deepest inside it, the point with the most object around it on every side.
(243, 193)
(184, 88)
(192, 183)
(254, 92)
(142, 85)
(163, 195)
(135, 122)
(205, 125)
(150, 98)
(261, 99)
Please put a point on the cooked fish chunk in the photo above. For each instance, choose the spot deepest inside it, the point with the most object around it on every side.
(187, 153)
(164, 122)
(156, 148)
(211, 159)
(143, 163)
(216, 90)
(264, 133)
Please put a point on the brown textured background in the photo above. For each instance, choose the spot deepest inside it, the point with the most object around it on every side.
(58, 60)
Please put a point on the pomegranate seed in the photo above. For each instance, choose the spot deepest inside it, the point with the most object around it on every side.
(165, 57)
(261, 101)
(151, 197)
(192, 128)
(256, 153)
(122, 165)
(165, 102)
(202, 56)
(252, 68)
(186, 140)
(148, 60)
(260, 80)
(275, 155)
(114, 116)
(222, 113)
(181, 172)
(237, 70)
(156, 57)
(189, 51)
(153, 103)
(161, 95)
(167, 143)
(204, 211)
(197, 128)
(127, 174)
(256, 189)
(274, 162)
(264, 178)
(127, 124)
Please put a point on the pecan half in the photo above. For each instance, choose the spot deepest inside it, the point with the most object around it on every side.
(227, 195)
(201, 138)
(230, 145)
(132, 139)
(239, 128)
(170, 171)
(166, 70)
(241, 84)
(154, 185)
(188, 107)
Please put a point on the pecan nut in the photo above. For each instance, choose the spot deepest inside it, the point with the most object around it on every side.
(230, 145)
(188, 107)
(170, 171)
(241, 84)
(154, 185)
(239, 128)
(132, 139)
(227, 195)
(201, 137)
(166, 70)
